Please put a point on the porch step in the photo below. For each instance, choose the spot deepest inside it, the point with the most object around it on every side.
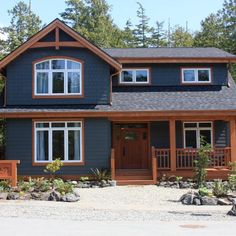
(133, 177)
(133, 172)
(135, 182)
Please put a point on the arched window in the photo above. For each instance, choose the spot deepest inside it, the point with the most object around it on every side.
(58, 76)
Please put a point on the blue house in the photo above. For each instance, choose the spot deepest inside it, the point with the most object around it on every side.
(140, 112)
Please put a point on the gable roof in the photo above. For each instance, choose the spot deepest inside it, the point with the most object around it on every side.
(52, 26)
(208, 53)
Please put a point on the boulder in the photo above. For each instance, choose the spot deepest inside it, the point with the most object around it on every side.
(197, 201)
(36, 195)
(54, 196)
(211, 201)
(76, 192)
(13, 196)
(187, 199)
(74, 182)
(70, 197)
(183, 184)
(25, 196)
(3, 196)
(112, 183)
(232, 212)
(224, 202)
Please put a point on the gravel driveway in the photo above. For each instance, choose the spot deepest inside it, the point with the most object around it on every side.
(118, 203)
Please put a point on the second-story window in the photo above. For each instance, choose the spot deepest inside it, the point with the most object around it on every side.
(58, 77)
(196, 75)
(134, 76)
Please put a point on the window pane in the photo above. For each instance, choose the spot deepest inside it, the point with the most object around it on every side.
(58, 82)
(73, 82)
(74, 145)
(42, 145)
(58, 144)
(127, 76)
(204, 124)
(42, 65)
(75, 124)
(73, 65)
(130, 136)
(141, 76)
(203, 75)
(58, 124)
(42, 82)
(189, 75)
(42, 125)
(206, 135)
(58, 64)
(190, 125)
(190, 139)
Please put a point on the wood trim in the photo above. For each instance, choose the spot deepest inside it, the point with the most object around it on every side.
(136, 84)
(82, 163)
(69, 31)
(57, 38)
(196, 83)
(113, 168)
(60, 44)
(176, 60)
(233, 139)
(172, 130)
(34, 96)
(154, 165)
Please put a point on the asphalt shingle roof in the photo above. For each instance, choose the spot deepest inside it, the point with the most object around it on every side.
(208, 52)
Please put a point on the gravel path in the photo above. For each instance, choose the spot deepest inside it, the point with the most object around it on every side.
(118, 203)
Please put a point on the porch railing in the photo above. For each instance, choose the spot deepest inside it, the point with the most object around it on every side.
(219, 157)
(163, 158)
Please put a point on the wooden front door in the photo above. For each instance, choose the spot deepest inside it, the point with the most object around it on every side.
(133, 149)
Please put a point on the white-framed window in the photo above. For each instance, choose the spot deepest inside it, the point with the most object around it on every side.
(196, 75)
(58, 76)
(193, 131)
(134, 76)
(58, 140)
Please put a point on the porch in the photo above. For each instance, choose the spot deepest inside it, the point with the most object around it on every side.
(170, 148)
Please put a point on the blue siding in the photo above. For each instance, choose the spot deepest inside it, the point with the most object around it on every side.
(169, 74)
(97, 143)
(160, 137)
(96, 78)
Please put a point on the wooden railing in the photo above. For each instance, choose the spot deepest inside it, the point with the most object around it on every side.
(163, 158)
(112, 163)
(185, 157)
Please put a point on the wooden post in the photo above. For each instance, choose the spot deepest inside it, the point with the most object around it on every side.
(172, 145)
(112, 163)
(154, 165)
(233, 139)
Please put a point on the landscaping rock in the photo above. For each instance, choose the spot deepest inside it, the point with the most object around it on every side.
(74, 182)
(197, 201)
(36, 195)
(54, 196)
(232, 212)
(13, 196)
(26, 196)
(70, 197)
(211, 201)
(76, 192)
(112, 183)
(187, 199)
(183, 184)
(3, 196)
(209, 185)
(224, 202)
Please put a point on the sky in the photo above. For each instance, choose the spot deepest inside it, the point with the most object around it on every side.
(178, 11)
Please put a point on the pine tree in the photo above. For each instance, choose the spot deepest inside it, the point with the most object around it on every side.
(128, 36)
(24, 23)
(143, 31)
(159, 35)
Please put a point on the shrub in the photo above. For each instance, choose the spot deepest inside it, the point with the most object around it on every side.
(25, 186)
(204, 192)
(232, 182)
(62, 187)
(84, 178)
(219, 189)
(202, 162)
(4, 185)
(41, 184)
(102, 174)
(53, 167)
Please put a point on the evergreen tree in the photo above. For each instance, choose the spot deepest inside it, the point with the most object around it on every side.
(180, 37)
(143, 31)
(128, 36)
(24, 23)
(91, 18)
(159, 35)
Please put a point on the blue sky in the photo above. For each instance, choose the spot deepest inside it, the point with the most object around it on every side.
(179, 11)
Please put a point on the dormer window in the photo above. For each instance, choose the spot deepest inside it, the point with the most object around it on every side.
(58, 76)
(134, 76)
(196, 75)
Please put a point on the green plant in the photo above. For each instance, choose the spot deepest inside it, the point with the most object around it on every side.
(4, 185)
(84, 178)
(62, 187)
(219, 189)
(232, 181)
(179, 178)
(41, 184)
(101, 174)
(204, 192)
(233, 167)
(25, 186)
(53, 167)
(163, 178)
(202, 162)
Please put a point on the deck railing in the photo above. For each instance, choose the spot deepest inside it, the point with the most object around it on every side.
(185, 157)
(163, 158)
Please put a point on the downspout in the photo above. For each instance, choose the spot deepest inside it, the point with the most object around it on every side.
(112, 75)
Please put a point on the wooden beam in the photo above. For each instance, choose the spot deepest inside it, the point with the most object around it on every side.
(172, 145)
(113, 164)
(60, 44)
(154, 165)
(233, 139)
(57, 38)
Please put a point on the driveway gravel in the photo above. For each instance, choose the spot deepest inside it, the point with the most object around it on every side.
(122, 203)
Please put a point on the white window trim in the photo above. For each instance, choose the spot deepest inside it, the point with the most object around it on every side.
(198, 129)
(50, 129)
(196, 81)
(50, 79)
(134, 76)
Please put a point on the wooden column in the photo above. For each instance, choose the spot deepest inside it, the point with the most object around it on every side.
(172, 145)
(233, 139)
(154, 165)
(112, 163)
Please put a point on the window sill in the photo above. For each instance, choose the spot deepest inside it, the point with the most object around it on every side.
(64, 163)
(57, 96)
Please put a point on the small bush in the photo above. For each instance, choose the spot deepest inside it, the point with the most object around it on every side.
(25, 186)
(41, 184)
(53, 167)
(219, 189)
(232, 182)
(4, 185)
(102, 174)
(62, 187)
(204, 192)
(84, 178)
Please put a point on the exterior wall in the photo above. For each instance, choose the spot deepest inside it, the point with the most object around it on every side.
(96, 78)
(160, 134)
(169, 74)
(97, 143)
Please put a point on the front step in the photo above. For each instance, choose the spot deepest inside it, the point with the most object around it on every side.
(133, 177)
(135, 182)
